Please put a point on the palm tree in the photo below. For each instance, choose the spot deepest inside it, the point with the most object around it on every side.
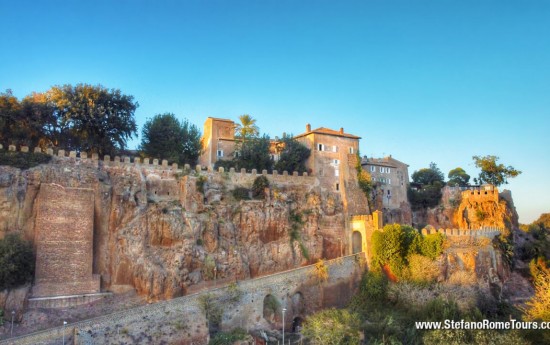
(247, 128)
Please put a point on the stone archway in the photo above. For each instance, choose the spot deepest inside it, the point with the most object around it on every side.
(297, 324)
(271, 308)
(357, 242)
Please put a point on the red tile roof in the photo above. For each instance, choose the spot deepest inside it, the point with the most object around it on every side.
(328, 131)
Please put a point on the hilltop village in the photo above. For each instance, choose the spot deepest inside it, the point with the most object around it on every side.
(214, 249)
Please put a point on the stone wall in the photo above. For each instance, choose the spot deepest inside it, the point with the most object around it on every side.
(181, 320)
(64, 242)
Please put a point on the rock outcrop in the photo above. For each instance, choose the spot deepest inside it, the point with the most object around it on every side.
(164, 234)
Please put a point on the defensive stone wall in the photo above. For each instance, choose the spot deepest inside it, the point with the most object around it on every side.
(64, 242)
(164, 169)
(483, 194)
(490, 232)
(167, 316)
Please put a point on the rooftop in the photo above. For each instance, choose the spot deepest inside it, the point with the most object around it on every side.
(327, 131)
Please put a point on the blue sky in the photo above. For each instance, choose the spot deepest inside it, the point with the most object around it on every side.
(422, 80)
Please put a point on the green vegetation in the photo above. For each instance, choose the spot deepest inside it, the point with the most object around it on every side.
(81, 118)
(213, 311)
(16, 261)
(240, 193)
(296, 224)
(430, 180)
(293, 155)
(228, 338)
(271, 307)
(458, 177)
(538, 308)
(259, 186)
(493, 173)
(394, 247)
(23, 160)
(166, 137)
(333, 327)
(199, 184)
(538, 244)
(247, 128)
(364, 180)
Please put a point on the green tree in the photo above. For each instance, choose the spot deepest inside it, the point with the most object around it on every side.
(333, 327)
(458, 177)
(428, 176)
(538, 307)
(93, 118)
(493, 173)
(16, 261)
(293, 155)
(166, 137)
(254, 154)
(247, 128)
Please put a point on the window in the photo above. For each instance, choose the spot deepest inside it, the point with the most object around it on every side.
(389, 181)
(351, 150)
(337, 187)
(335, 161)
(220, 153)
(372, 169)
(336, 172)
(381, 169)
(388, 170)
(334, 148)
(389, 192)
(320, 147)
(236, 153)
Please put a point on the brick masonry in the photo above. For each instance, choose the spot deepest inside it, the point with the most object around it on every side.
(64, 242)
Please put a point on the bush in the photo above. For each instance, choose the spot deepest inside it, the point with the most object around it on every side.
(422, 269)
(16, 261)
(432, 245)
(259, 186)
(333, 327)
(201, 180)
(23, 160)
(240, 193)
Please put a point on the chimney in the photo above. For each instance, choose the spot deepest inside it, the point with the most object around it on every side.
(308, 128)
(341, 130)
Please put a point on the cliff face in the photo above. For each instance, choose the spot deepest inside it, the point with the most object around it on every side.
(164, 234)
(470, 210)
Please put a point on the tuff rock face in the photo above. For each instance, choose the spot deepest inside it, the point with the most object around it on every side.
(164, 234)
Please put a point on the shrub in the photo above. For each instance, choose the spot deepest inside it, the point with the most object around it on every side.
(212, 311)
(23, 160)
(432, 245)
(422, 269)
(240, 193)
(259, 186)
(16, 261)
(333, 327)
(201, 180)
(480, 214)
(321, 271)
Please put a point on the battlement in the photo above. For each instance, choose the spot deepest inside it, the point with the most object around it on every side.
(488, 232)
(161, 165)
(483, 193)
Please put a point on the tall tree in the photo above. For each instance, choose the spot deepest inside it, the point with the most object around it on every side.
(166, 137)
(428, 176)
(10, 115)
(254, 154)
(247, 128)
(493, 173)
(93, 118)
(458, 177)
(293, 155)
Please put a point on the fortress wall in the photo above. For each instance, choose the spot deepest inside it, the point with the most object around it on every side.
(64, 242)
(184, 317)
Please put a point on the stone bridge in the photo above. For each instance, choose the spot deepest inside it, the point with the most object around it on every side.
(256, 304)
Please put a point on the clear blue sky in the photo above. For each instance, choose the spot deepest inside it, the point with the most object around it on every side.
(422, 80)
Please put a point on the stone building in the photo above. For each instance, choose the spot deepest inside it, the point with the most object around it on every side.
(218, 141)
(392, 178)
(330, 151)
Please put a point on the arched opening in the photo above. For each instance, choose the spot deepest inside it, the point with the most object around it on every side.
(357, 242)
(272, 308)
(297, 303)
(297, 324)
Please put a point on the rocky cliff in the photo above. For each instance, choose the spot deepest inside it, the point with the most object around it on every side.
(164, 233)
